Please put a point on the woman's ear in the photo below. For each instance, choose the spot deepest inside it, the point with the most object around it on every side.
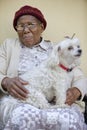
(42, 27)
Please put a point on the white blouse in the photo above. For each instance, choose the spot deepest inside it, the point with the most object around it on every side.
(33, 57)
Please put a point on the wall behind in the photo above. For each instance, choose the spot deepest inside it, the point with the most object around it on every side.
(64, 17)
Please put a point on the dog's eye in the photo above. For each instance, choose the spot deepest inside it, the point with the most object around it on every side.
(70, 48)
(78, 46)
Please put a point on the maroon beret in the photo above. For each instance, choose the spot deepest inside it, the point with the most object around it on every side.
(30, 11)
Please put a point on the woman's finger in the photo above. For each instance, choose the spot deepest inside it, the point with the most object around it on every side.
(16, 95)
(70, 98)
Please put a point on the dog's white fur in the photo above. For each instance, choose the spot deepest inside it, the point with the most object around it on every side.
(50, 79)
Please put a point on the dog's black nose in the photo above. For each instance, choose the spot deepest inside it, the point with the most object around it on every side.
(80, 51)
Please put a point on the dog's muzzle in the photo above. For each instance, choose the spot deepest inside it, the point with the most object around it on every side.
(79, 53)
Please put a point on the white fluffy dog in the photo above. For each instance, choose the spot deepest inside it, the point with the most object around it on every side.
(51, 79)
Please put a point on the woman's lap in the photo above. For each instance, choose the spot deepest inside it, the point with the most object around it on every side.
(26, 117)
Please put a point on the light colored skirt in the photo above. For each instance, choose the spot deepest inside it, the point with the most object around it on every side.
(27, 117)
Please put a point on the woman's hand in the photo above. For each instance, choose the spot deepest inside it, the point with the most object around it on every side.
(15, 87)
(72, 95)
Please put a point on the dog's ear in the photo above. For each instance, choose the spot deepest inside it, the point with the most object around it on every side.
(56, 50)
(54, 57)
(59, 48)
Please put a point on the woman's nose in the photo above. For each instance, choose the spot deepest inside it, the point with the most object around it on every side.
(26, 29)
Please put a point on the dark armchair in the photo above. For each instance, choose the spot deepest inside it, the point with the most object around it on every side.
(85, 113)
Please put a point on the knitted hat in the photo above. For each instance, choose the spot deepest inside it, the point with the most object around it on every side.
(30, 11)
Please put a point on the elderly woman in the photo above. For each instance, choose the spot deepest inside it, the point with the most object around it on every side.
(19, 55)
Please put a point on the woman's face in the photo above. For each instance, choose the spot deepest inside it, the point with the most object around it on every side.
(29, 30)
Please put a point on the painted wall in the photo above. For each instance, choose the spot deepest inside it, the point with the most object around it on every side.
(64, 17)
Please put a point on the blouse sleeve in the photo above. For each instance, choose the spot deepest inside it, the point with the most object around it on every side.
(80, 81)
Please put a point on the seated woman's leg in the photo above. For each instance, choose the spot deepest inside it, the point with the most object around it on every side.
(64, 119)
(26, 117)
